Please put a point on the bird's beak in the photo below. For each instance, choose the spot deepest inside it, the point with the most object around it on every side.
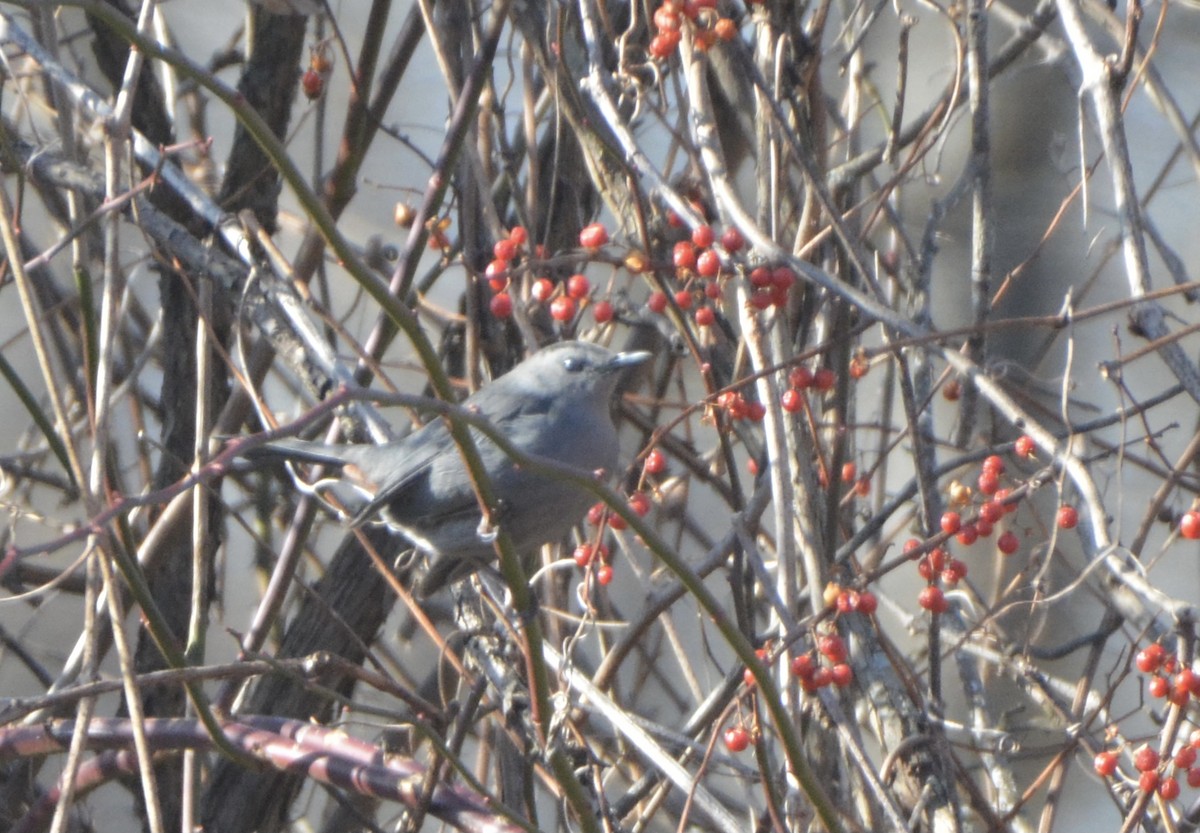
(624, 360)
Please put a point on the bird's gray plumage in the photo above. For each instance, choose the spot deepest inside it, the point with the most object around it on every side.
(555, 404)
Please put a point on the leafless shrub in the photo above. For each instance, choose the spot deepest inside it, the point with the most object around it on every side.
(902, 540)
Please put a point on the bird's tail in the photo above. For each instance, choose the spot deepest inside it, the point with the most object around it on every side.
(297, 450)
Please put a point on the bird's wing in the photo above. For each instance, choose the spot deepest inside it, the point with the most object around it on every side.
(433, 480)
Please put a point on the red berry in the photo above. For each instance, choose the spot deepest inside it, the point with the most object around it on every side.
(562, 308)
(925, 569)
(1189, 525)
(736, 739)
(1002, 497)
(1168, 788)
(542, 289)
(505, 249)
(955, 572)
(731, 240)
(994, 463)
(938, 559)
(1185, 757)
(791, 400)
(859, 367)
(313, 84)
(760, 277)
(911, 546)
(501, 305)
(657, 302)
(842, 674)
(684, 255)
(983, 528)
(1182, 685)
(703, 236)
(832, 647)
(1193, 778)
(1158, 687)
(656, 462)
(725, 29)
(1025, 446)
(1150, 658)
(822, 677)
(602, 311)
(847, 601)
(663, 44)
(497, 272)
(952, 390)
(933, 599)
(667, 19)
(989, 482)
(1068, 518)
(639, 503)
(867, 603)
(800, 377)
(991, 512)
(1148, 781)
(708, 264)
(604, 575)
(683, 299)
(712, 290)
(1008, 543)
(755, 411)
(783, 278)
(593, 236)
(849, 472)
(705, 317)
(803, 666)
(824, 379)
(761, 300)
(518, 235)
(583, 555)
(951, 522)
(968, 535)
(578, 287)
(1145, 758)
(1105, 763)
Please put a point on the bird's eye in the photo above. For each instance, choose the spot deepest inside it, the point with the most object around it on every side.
(574, 364)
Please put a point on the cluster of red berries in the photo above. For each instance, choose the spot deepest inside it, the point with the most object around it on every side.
(600, 516)
(1152, 768)
(835, 670)
(672, 15)
(1177, 684)
(564, 299)
(587, 553)
(937, 567)
(734, 403)
(826, 665)
(699, 269)
(497, 273)
(860, 485)
(801, 380)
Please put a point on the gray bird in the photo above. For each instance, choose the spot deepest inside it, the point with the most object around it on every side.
(555, 404)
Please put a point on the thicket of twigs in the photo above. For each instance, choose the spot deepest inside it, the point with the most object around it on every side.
(901, 537)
